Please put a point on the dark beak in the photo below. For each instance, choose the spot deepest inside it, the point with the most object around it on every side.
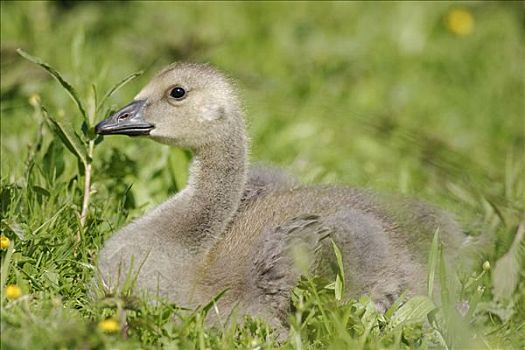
(127, 121)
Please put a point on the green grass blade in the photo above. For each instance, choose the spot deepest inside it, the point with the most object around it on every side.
(55, 74)
(118, 86)
(71, 142)
(206, 308)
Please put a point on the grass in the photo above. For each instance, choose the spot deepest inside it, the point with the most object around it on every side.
(386, 96)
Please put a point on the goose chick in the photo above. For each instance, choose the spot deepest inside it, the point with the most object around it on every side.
(215, 236)
(263, 179)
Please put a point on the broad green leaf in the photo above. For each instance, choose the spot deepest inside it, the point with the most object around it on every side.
(92, 104)
(6, 262)
(55, 74)
(440, 339)
(506, 275)
(69, 139)
(395, 305)
(339, 286)
(445, 294)
(80, 140)
(53, 160)
(117, 87)
(414, 310)
(432, 263)
(41, 190)
(14, 227)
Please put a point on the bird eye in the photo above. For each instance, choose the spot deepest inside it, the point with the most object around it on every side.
(178, 93)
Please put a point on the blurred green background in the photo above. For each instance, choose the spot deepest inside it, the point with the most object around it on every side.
(421, 98)
(381, 95)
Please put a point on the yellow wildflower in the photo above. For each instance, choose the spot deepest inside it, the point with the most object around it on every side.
(460, 22)
(34, 100)
(13, 292)
(486, 266)
(109, 326)
(4, 242)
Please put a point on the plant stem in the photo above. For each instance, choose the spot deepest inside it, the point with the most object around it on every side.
(87, 185)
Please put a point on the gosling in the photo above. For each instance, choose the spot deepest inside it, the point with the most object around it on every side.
(248, 234)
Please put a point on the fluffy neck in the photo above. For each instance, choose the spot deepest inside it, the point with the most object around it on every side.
(215, 187)
(200, 213)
